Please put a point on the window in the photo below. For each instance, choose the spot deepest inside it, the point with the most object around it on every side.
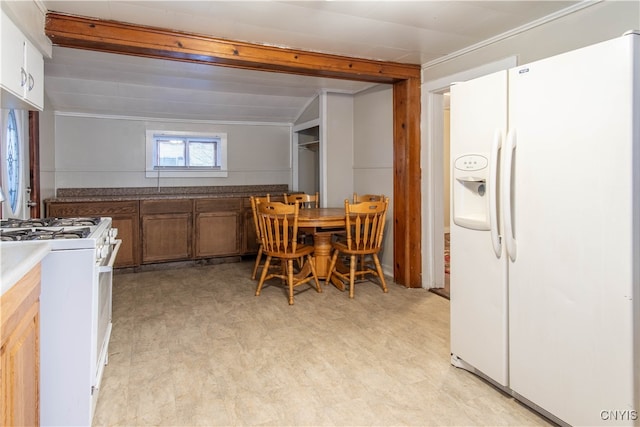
(186, 154)
(13, 161)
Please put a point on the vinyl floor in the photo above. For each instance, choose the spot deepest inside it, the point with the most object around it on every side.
(194, 346)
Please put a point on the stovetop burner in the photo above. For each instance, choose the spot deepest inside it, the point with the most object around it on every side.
(43, 234)
(48, 222)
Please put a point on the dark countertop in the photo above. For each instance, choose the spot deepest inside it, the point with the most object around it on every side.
(153, 193)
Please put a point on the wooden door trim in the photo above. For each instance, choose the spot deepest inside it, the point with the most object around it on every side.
(129, 39)
(34, 163)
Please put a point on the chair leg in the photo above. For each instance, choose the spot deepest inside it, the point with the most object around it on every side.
(313, 271)
(257, 264)
(380, 273)
(332, 265)
(290, 280)
(352, 275)
(265, 270)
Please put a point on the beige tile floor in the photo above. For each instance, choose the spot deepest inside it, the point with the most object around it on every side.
(195, 346)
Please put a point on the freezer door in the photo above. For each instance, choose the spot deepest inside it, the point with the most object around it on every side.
(571, 284)
(478, 266)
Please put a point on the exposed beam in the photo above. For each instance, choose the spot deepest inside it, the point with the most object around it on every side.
(128, 39)
(117, 37)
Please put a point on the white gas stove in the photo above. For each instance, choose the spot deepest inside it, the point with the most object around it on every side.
(75, 310)
(64, 233)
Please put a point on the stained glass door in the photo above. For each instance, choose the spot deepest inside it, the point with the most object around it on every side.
(14, 163)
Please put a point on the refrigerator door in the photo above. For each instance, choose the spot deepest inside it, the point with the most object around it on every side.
(571, 283)
(478, 265)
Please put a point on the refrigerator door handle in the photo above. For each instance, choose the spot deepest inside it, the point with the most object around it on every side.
(493, 193)
(506, 195)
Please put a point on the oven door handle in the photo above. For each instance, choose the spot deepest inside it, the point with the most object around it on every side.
(112, 259)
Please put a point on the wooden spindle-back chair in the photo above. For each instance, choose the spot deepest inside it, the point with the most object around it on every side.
(365, 224)
(278, 229)
(254, 201)
(304, 200)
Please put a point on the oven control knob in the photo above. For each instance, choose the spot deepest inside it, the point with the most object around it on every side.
(113, 233)
(103, 251)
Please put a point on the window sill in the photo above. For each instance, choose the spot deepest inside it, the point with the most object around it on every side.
(186, 174)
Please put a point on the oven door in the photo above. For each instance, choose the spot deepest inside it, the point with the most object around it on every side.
(105, 282)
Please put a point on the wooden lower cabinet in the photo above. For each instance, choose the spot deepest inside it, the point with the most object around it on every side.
(218, 227)
(20, 352)
(125, 218)
(166, 237)
(166, 230)
(217, 234)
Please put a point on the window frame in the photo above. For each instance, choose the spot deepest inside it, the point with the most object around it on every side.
(153, 170)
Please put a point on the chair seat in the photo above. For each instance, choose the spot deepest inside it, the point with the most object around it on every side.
(287, 253)
(354, 249)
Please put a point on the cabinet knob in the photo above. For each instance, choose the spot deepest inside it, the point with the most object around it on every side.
(23, 77)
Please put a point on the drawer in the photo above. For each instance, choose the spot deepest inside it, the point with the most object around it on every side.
(91, 209)
(217, 205)
(166, 206)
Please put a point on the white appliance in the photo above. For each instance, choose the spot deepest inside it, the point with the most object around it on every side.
(75, 311)
(545, 232)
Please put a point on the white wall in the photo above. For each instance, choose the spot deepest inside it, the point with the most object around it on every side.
(373, 155)
(593, 24)
(110, 152)
(338, 139)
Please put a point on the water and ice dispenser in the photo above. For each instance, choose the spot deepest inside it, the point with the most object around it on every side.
(470, 196)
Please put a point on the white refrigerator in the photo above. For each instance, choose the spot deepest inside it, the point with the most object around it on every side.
(545, 232)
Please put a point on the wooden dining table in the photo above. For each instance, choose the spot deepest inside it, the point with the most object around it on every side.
(324, 222)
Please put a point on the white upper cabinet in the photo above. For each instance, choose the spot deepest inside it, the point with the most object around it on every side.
(21, 69)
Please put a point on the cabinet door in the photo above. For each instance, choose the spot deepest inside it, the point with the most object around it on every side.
(13, 77)
(34, 65)
(217, 234)
(21, 69)
(166, 237)
(20, 358)
(250, 235)
(20, 352)
(127, 229)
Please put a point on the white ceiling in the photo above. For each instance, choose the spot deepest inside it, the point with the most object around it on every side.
(413, 32)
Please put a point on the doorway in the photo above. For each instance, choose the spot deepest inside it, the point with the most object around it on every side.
(446, 198)
(308, 170)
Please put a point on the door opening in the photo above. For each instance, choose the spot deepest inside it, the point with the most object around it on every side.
(445, 205)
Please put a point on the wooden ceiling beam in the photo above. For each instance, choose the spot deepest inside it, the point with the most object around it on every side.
(129, 39)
